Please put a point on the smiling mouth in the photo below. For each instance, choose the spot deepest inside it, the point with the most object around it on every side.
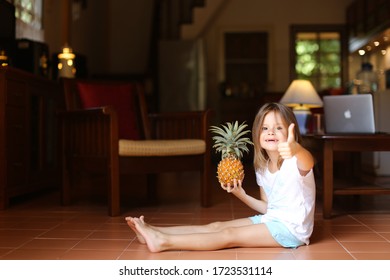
(271, 140)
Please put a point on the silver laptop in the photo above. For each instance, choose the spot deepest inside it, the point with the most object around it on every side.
(349, 114)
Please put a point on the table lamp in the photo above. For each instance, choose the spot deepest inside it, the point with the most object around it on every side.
(301, 96)
(3, 58)
(66, 66)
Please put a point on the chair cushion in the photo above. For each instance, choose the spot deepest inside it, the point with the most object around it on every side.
(120, 97)
(161, 147)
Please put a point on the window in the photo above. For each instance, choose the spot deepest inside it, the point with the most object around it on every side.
(29, 11)
(28, 15)
(318, 55)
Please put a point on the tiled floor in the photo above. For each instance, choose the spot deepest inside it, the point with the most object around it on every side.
(38, 227)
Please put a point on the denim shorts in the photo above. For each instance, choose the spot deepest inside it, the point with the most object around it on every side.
(279, 232)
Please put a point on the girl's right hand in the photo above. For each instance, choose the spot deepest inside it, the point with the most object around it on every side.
(227, 188)
(237, 186)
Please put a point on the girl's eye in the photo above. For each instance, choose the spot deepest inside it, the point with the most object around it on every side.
(263, 128)
(279, 128)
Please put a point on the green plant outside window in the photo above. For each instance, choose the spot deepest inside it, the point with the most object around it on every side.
(29, 12)
(318, 59)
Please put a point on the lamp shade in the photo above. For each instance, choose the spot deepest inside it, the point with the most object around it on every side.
(66, 53)
(301, 93)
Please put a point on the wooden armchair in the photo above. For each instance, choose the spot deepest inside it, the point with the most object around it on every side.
(95, 138)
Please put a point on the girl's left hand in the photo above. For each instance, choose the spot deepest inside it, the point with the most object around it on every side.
(289, 148)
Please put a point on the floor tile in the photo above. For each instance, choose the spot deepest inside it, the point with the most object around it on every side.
(367, 247)
(13, 241)
(21, 232)
(102, 244)
(76, 254)
(372, 256)
(209, 255)
(314, 255)
(35, 225)
(265, 256)
(122, 226)
(3, 252)
(386, 236)
(50, 244)
(359, 237)
(145, 255)
(32, 254)
(380, 228)
(65, 233)
(112, 235)
(350, 229)
(78, 226)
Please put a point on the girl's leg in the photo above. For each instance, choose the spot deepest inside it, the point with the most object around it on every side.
(240, 236)
(212, 227)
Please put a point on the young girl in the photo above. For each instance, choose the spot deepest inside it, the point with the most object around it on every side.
(287, 196)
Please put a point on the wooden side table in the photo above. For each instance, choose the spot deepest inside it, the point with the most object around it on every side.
(331, 143)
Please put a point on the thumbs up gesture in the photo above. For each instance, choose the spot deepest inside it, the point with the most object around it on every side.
(289, 148)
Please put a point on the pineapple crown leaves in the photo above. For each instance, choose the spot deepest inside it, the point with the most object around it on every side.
(229, 139)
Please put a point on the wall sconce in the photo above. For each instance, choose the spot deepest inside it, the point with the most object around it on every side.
(302, 96)
(66, 66)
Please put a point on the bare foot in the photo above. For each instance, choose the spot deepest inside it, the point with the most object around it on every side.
(130, 222)
(154, 239)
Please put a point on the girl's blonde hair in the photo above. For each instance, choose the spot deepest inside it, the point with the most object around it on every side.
(260, 158)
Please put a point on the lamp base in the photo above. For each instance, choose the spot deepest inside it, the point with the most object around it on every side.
(302, 116)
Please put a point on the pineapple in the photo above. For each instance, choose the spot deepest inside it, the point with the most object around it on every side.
(230, 142)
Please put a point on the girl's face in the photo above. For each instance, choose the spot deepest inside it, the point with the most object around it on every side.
(273, 131)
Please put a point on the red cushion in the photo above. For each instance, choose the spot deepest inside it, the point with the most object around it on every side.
(120, 97)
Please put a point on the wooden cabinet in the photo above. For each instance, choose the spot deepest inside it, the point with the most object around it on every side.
(28, 139)
(245, 63)
(239, 109)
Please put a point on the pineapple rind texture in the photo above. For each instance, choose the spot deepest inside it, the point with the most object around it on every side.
(229, 169)
(231, 143)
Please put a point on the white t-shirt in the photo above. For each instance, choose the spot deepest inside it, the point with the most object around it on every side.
(291, 198)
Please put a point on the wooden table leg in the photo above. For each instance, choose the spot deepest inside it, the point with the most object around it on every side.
(328, 180)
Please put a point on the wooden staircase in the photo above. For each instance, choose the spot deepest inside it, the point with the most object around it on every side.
(202, 17)
(185, 19)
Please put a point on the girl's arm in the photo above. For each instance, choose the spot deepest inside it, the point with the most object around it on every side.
(292, 148)
(305, 160)
(260, 205)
